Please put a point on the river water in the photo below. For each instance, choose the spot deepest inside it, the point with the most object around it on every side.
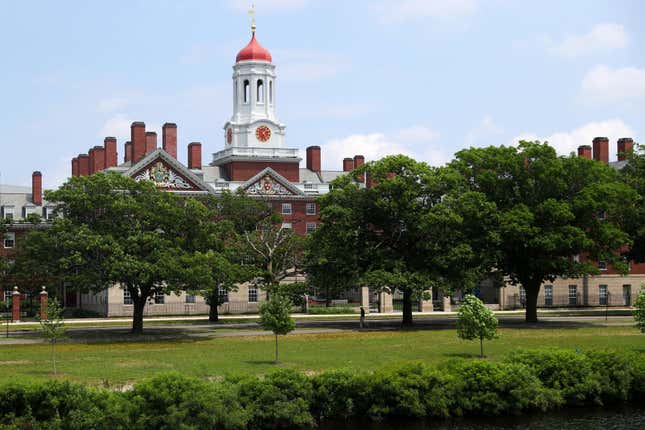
(625, 418)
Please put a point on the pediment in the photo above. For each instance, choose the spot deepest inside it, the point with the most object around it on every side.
(270, 183)
(166, 173)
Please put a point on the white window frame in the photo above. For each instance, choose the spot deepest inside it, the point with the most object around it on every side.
(310, 209)
(310, 227)
(8, 212)
(222, 294)
(127, 297)
(603, 294)
(189, 299)
(8, 296)
(287, 209)
(573, 295)
(159, 298)
(9, 237)
(287, 225)
(602, 265)
(548, 295)
(253, 294)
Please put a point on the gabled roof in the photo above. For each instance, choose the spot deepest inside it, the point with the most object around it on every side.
(167, 173)
(270, 183)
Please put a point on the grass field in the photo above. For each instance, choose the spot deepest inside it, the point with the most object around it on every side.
(125, 362)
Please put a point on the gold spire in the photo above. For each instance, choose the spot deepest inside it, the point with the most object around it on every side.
(252, 13)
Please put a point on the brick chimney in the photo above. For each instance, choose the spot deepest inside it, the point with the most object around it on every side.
(127, 149)
(90, 162)
(359, 160)
(313, 158)
(83, 165)
(37, 188)
(584, 151)
(348, 164)
(169, 138)
(138, 139)
(601, 149)
(195, 155)
(151, 141)
(97, 159)
(74, 166)
(111, 158)
(625, 147)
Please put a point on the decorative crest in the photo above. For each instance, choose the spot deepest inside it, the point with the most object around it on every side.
(252, 13)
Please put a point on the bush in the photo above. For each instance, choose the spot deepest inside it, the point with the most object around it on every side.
(85, 313)
(173, 401)
(60, 405)
(332, 310)
(487, 388)
(525, 381)
(281, 400)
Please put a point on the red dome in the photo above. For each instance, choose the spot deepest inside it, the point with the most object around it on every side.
(253, 51)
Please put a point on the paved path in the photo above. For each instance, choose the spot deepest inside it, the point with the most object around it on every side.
(306, 326)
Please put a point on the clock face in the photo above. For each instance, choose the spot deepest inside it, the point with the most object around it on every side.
(229, 136)
(263, 133)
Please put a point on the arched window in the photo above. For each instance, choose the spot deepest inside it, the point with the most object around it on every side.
(247, 91)
(270, 92)
(260, 98)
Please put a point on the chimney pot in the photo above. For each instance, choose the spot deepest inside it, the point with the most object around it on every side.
(625, 147)
(37, 188)
(584, 151)
(83, 165)
(74, 166)
(169, 138)
(359, 160)
(97, 159)
(601, 149)
(151, 141)
(111, 157)
(195, 155)
(313, 158)
(138, 139)
(348, 164)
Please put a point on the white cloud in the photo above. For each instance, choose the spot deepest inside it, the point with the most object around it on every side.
(566, 142)
(404, 10)
(486, 128)
(415, 141)
(603, 83)
(112, 104)
(264, 6)
(603, 37)
(117, 126)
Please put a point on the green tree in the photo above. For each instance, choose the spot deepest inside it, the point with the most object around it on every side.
(413, 228)
(275, 316)
(639, 309)
(53, 327)
(476, 321)
(548, 212)
(117, 231)
(634, 175)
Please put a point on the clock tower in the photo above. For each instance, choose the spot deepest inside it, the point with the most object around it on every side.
(254, 134)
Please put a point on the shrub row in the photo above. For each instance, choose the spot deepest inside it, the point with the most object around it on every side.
(524, 381)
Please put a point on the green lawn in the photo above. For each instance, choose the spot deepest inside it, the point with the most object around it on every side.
(128, 361)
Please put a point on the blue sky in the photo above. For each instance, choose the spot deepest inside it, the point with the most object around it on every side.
(422, 77)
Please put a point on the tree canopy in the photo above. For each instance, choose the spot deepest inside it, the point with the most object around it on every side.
(556, 215)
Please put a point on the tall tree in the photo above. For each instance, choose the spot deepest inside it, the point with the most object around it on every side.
(409, 230)
(550, 209)
(115, 231)
(634, 175)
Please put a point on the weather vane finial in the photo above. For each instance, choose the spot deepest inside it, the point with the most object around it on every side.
(252, 13)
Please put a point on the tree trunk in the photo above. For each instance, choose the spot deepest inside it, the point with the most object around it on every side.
(137, 316)
(532, 289)
(407, 308)
(213, 315)
(276, 349)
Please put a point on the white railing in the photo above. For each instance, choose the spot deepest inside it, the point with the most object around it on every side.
(256, 152)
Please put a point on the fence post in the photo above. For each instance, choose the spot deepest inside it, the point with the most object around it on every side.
(446, 304)
(365, 299)
(43, 304)
(15, 305)
(426, 305)
(305, 305)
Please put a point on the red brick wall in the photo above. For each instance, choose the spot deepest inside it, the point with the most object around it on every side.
(298, 217)
(244, 170)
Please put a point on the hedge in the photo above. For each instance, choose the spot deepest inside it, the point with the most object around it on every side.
(523, 381)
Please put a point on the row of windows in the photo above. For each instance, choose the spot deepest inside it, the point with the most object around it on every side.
(310, 227)
(288, 210)
(9, 213)
(259, 99)
(603, 294)
(159, 298)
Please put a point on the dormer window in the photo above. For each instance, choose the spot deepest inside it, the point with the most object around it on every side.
(7, 212)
